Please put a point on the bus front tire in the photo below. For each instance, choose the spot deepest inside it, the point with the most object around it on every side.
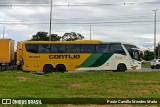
(60, 68)
(121, 68)
(48, 68)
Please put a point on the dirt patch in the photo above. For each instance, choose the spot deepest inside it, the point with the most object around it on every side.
(143, 81)
(74, 85)
(21, 78)
(155, 86)
(136, 81)
(144, 91)
(79, 85)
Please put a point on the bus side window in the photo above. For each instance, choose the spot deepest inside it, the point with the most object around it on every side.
(102, 48)
(76, 48)
(33, 48)
(87, 48)
(91, 48)
(117, 48)
(73, 48)
(43, 48)
(58, 48)
(84, 48)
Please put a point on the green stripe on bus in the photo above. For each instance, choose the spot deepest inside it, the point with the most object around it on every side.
(90, 60)
(96, 60)
(102, 59)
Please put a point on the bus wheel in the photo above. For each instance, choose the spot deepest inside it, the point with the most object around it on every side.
(121, 68)
(60, 68)
(48, 68)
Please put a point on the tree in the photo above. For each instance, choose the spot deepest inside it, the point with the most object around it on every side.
(43, 36)
(55, 37)
(148, 55)
(157, 51)
(40, 36)
(72, 36)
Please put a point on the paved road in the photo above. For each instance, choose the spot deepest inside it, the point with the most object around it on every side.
(142, 70)
(145, 70)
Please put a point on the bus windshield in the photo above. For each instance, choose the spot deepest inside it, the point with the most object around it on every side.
(133, 51)
(135, 55)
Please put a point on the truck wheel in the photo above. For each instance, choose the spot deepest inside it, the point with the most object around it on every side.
(48, 68)
(121, 68)
(157, 66)
(152, 67)
(60, 68)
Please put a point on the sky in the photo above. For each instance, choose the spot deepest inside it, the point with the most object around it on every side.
(129, 21)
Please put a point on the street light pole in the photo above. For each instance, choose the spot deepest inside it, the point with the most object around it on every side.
(90, 31)
(50, 28)
(3, 31)
(158, 50)
(155, 34)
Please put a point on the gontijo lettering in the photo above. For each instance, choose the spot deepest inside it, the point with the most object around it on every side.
(64, 56)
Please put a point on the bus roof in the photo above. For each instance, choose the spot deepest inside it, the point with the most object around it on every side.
(75, 42)
(66, 42)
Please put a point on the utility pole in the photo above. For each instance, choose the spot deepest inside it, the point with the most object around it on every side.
(50, 28)
(158, 50)
(3, 31)
(155, 33)
(90, 31)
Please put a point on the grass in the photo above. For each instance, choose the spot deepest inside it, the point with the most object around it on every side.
(146, 64)
(81, 85)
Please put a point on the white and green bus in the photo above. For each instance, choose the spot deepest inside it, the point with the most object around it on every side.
(82, 55)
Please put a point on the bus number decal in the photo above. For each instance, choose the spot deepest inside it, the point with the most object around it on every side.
(64, 56)
(34, 56)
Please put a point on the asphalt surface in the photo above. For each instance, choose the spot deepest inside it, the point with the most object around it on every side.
(141, 70)
(145, 70)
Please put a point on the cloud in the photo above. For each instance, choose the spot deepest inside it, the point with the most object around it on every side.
(132, 22)
(6, 36)
(30, 36)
